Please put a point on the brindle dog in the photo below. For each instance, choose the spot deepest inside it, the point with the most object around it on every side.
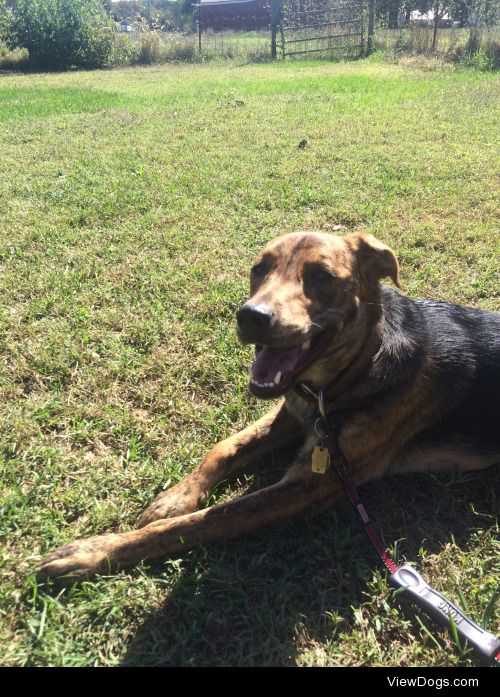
(412, 385)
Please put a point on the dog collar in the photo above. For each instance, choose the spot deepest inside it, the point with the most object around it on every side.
(345, 378)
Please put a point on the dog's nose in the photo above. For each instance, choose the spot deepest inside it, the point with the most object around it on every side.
(254, 317)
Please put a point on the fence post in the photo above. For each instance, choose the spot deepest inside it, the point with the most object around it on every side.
(275, 21)
(199, 26)
(362, 26)
(371, 26)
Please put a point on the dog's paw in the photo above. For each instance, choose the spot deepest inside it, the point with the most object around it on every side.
(79, 560)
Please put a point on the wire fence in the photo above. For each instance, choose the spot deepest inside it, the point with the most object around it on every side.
(260, 30)
(234, 29)
(264, 29)
(330, 29)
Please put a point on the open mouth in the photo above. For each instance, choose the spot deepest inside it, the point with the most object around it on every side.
(275, 369)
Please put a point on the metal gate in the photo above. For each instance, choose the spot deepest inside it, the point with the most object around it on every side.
(332, 27)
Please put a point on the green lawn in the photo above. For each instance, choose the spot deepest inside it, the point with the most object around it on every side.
(131, 205)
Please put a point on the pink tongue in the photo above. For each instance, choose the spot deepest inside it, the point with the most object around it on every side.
(269, 361)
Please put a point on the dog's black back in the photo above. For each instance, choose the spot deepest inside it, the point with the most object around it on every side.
(456, 351)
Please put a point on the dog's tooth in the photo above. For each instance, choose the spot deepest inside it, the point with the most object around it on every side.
(277, 378)
(261, 384)
(305, 346)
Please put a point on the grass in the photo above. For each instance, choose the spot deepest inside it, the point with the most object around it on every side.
(131, 204)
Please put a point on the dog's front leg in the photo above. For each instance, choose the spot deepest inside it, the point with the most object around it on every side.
(273, 430)
(298, 491)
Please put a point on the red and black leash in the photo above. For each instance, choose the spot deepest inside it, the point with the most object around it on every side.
(405, 578)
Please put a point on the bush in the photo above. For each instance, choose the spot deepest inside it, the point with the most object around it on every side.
(125, 51)
(180, 48)
(61, 34)
(16, 59)
(481, 51)
(491, 47)
(149, 51)
(487, 57)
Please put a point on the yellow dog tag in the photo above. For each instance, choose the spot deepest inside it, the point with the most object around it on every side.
(320, 459)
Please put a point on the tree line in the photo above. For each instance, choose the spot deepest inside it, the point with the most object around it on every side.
(392, 13)
(395, 14)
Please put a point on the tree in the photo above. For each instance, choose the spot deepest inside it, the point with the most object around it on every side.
(487, 12)
(126, 8)
(391, 11)
(60, 34)
(459, 11)
(4, 20)
(439, 9)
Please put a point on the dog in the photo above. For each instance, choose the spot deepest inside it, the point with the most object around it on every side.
(412, 385)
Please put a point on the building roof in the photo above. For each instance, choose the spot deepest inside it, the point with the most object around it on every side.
(215, 3)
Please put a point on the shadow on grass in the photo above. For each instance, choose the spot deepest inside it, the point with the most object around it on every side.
(247, 602)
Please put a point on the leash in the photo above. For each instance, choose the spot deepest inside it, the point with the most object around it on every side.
(404, 578)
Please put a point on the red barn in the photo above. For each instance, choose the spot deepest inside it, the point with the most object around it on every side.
(241, 15)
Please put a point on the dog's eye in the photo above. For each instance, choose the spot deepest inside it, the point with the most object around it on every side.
(324, 276)
(259, 269)
(318, 275)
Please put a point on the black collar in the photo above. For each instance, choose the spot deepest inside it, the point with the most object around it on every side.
(345, 378)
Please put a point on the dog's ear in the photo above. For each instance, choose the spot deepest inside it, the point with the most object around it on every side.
(374, 259)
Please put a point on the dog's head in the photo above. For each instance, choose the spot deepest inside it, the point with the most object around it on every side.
(306, 291)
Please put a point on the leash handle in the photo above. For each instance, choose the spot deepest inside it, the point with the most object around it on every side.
(446, 613)
(406, 578)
